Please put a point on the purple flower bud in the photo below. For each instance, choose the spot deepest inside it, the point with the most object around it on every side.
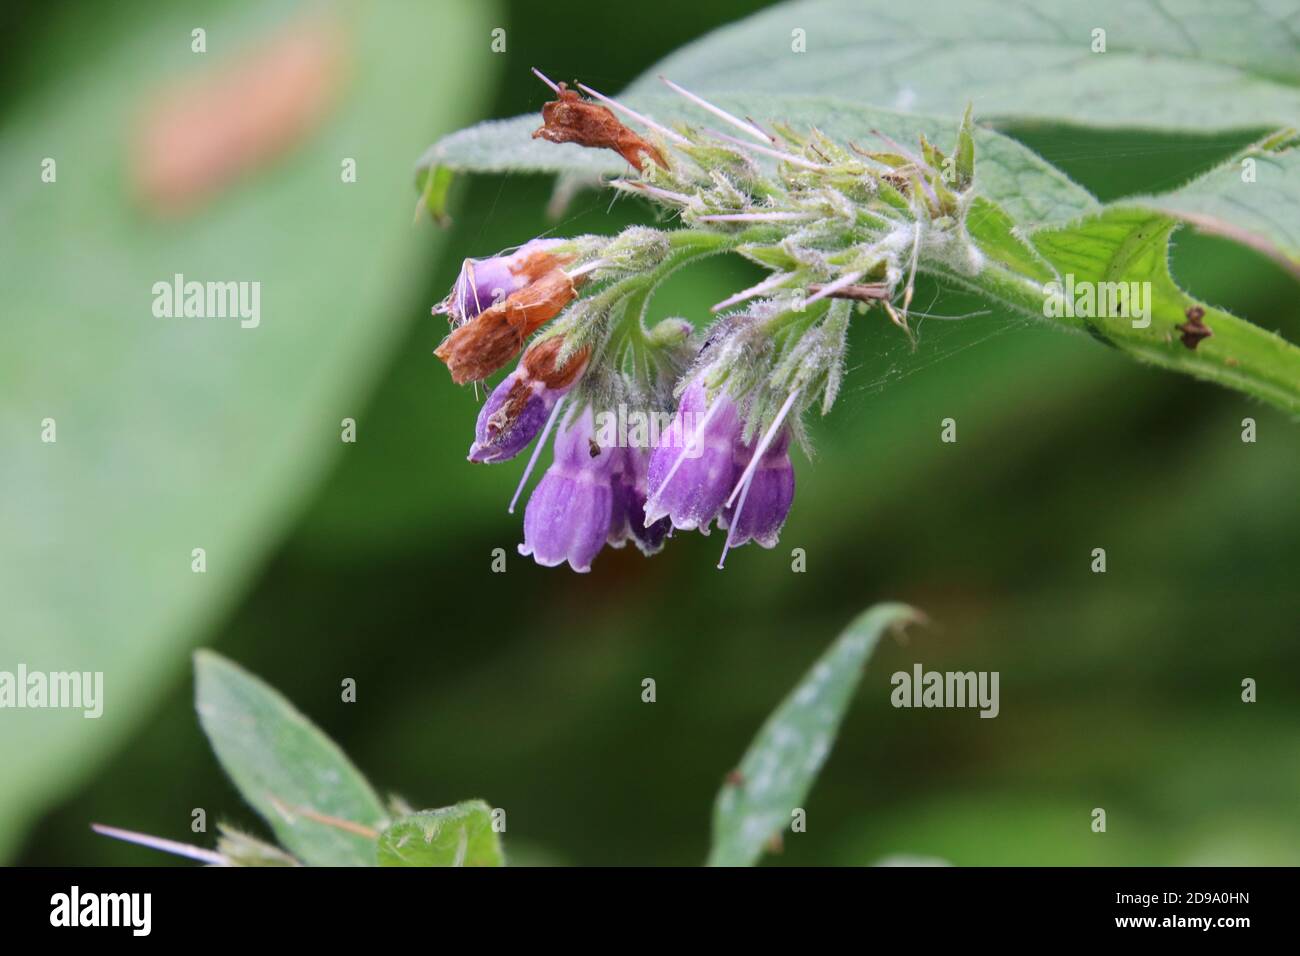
(484, 281)
(765, 505)
(568, 515)
(627, 520)
(511, 417)
(692, 471)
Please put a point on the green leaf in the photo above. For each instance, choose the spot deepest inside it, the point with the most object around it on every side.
(317, 803)
(1028, 188)
(175, 434)
(1131, 244)
(461, 835)
(1253, 199)
(1197, 65)
(779, 768)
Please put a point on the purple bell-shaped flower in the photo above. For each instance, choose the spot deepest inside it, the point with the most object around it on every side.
(628, 518)
(511, 417)
(569, 514)
(764, 503)
(692, 470)
(518, 408)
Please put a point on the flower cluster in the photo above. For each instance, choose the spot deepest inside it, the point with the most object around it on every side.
(714, 415)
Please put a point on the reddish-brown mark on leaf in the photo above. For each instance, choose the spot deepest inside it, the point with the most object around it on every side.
(1194, 329)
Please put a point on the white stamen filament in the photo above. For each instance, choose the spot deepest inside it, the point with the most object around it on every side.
(747, 478)
(667, 195)
(768, 151)
(545, 79)
(911, 276)
(663, 131)
(731, 530)
(717, 111)
(586, 267)
(768, 284)
(537, 450)
(686, 447)
(757, 217)
(762, 447)
(166, 846)
(832, 287)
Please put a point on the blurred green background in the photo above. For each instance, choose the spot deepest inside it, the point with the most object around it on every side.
(1119, 691)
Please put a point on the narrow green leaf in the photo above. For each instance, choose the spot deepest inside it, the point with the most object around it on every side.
(965, 151)
(317, 803)
(461, 835)
(781, 764)
(1197, 65)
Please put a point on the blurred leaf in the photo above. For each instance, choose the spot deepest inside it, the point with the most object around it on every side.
(1027, 187)
(298, 779)
(175, 434)
(461, 835)
(778, 770)
(1203, 65)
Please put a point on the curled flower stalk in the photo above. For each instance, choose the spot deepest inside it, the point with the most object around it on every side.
(668, 426)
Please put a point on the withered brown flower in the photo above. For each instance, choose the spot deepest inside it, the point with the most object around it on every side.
(572, 119)
(485, 343)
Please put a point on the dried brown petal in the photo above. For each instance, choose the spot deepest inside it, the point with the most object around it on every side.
(539, 366)
(481, 346)
(540, 363)
(571, 119)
